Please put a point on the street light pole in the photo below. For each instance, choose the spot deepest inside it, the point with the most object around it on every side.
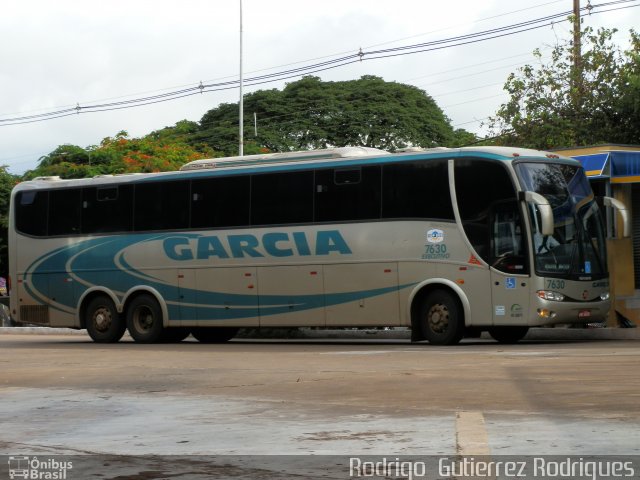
(577, 55)
(241, 133)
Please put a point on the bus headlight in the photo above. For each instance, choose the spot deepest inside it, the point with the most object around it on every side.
(604, 296)
(549, 295)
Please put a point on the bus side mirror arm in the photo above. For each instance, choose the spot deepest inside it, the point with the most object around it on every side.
(546, 212)
(622, 210)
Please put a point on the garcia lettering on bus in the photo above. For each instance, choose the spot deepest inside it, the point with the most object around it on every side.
(275, 244)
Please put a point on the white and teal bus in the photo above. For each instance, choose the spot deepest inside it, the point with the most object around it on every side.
(443, 241)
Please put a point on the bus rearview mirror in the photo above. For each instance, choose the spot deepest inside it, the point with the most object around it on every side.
(622, 210)
(546, 213)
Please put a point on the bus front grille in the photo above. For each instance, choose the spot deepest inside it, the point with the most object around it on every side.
(34, 314)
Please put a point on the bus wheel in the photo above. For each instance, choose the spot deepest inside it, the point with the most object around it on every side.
(214, 334)
(104, 323)
(144, 319)
(508, 334)
(441, 319)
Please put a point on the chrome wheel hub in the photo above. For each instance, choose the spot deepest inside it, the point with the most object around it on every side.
(438, 318)
(102, 319)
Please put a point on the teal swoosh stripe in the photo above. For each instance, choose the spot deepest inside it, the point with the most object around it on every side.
(94, 263)
(299, 303)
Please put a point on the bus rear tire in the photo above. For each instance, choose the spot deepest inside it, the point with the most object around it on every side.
(144, 319)
(441, 318)
(214, 334)
(508, 334)
(103, 322)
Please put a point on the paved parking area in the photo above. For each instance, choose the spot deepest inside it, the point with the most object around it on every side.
(62, 394)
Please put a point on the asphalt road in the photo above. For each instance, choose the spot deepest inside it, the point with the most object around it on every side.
(66, 395)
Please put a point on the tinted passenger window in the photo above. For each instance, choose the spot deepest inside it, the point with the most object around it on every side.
(107, 209)
(490, 213)
(347, 176)
(278, 198)
(31, 212)
(343, 194)
(220, 202)
(160, 206)
(64, 211)
(416, 190)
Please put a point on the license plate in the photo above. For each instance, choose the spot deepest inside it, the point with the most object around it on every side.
(584, 314)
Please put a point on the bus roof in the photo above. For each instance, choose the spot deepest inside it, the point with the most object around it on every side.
(267, 158)
(344, 156)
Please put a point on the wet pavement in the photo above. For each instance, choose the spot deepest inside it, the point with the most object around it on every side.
(61, 394)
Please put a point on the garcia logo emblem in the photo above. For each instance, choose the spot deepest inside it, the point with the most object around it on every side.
(435, 235)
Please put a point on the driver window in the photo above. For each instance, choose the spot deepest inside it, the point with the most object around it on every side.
(490, 213)
(507, 246)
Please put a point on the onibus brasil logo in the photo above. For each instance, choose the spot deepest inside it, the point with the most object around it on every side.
(38, 469)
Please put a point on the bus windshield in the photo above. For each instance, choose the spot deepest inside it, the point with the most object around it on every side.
(577, 247)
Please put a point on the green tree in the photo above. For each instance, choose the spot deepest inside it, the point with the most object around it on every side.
(147, 154)
(67, 161)
(7, 182)
(548, 108)
(310, 113)
(629, 102)
(66, 154)
(163, 150)
(462, 138)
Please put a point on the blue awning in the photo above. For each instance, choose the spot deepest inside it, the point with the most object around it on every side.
(596, 165)
(625, 167)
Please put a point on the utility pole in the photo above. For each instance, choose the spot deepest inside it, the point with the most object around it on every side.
(241, 133)
(577, 54)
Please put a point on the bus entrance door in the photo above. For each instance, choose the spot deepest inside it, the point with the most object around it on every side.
(509, 273)
(510, 295)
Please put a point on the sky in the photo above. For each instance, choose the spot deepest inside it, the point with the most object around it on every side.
(71, 53)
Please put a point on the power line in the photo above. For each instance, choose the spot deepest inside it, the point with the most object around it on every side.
(449, 27)
(465, 67)
(345, 96)
(309, 69)
(475, 120)
(276, 117)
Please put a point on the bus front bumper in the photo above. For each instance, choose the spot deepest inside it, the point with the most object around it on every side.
(547, 312)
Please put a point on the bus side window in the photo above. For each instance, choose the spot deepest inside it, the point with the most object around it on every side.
(220, 202)
(64, 211)
(416, 190)
(347, 176)
(107, 209)
(31, 212)
(348, 194)
(161, 205)
(281, 198)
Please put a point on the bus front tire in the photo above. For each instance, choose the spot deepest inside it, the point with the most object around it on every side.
(508, 334)
(441, 318)
(214, 334)
(144, 319)
(103, 322)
